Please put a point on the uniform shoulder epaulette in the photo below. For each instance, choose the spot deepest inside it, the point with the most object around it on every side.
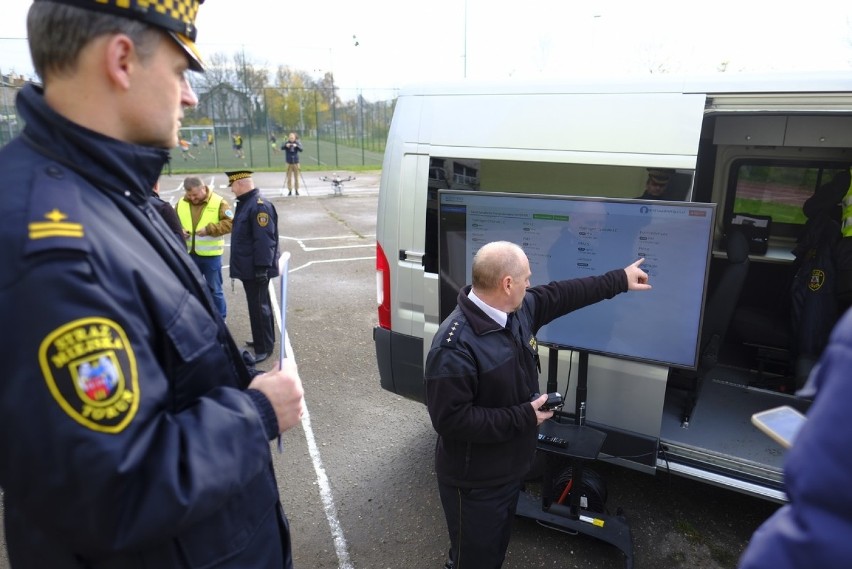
(451, 335)
(55, 214)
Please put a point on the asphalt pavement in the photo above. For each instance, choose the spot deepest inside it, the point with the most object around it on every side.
(357, 478)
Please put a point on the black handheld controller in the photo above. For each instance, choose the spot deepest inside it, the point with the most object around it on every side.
(553, 441)
(554, 401)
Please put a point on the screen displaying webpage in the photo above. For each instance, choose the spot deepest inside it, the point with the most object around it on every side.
(570, 237)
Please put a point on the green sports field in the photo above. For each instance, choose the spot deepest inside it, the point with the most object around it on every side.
(318, 154)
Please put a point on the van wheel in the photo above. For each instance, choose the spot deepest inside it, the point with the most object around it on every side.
(592, 490)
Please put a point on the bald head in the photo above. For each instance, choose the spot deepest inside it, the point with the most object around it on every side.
(501, 274)
(495, 260)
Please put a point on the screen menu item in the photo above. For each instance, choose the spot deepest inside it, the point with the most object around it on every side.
(569, 237)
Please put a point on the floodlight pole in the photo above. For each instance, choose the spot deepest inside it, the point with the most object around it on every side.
(334, 119)
(333, 107)
(464, 56)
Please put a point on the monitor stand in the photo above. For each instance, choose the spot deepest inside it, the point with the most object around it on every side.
(581, 444)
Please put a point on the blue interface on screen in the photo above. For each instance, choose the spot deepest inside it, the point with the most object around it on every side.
(569, 237)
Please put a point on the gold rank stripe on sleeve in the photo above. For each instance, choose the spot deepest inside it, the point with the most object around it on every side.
(55, 227)
(49, 229)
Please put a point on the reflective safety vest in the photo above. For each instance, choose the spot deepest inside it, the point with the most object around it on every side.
(846, 217)
(206, 246)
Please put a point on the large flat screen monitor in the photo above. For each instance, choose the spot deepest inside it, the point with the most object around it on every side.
(566, 237)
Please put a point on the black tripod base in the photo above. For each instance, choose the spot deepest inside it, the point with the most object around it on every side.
(611, 529)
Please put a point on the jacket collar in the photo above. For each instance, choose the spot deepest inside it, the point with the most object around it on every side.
(495, 314)
(246, 197)
(107, 163)
(479, 321)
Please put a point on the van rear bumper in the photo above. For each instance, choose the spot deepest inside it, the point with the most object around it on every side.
(400, 361)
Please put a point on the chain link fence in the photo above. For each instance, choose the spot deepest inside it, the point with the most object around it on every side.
(10, 122)
(338, 128)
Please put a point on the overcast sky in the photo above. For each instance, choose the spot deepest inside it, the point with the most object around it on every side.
(403, 42)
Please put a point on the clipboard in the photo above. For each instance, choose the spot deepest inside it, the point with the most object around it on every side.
(283, 269)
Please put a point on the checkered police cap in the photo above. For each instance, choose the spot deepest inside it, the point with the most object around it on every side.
(176, 17)
(235, 175)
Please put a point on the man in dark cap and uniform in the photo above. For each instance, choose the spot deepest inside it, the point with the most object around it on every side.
(254, 257)
(657, 184)
(133, 433)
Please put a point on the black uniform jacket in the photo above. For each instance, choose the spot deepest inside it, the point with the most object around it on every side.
(128, 437)
(254, 237)
(480, 376)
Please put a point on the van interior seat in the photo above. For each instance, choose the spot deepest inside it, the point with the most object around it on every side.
(790, 342)
(759, 326)
(723, 301)
(769, 333)
(718, 313)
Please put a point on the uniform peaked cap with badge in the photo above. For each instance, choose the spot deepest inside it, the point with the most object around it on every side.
(235, 175)
(660, 175)
(175, 17)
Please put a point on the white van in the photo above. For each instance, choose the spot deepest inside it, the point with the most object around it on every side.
(756, 146)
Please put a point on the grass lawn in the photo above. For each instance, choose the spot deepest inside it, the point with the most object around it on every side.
(258, 155)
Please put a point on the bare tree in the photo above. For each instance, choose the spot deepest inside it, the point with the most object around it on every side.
(217, 71)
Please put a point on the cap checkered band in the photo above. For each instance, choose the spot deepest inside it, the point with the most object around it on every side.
(234, 176)
(173, 15)
(183, 11)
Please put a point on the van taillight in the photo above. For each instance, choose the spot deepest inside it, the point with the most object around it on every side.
(383, 295)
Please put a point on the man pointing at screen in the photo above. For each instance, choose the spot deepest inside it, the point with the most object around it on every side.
(480, 373)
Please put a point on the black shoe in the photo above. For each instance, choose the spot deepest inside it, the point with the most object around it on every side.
(290, 193)
(249, 344)
(261, 357)
(297, 192)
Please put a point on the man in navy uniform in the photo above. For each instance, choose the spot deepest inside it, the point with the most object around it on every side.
(481, 372)
(657, 184)
(254, 257)
(133, 433)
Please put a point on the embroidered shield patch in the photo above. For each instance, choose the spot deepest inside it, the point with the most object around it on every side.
(533, 344)
(263, 219)
(90, 369)
(817, 279)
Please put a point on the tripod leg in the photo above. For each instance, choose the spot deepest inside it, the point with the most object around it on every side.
(304, 185)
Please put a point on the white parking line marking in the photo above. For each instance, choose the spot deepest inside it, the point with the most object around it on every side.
(311, 249)
(338, 237)
(308, 264)
(322, 478)
(325, 493)
(301, 242)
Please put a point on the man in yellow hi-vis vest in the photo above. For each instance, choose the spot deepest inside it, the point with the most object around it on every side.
(206, 218)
